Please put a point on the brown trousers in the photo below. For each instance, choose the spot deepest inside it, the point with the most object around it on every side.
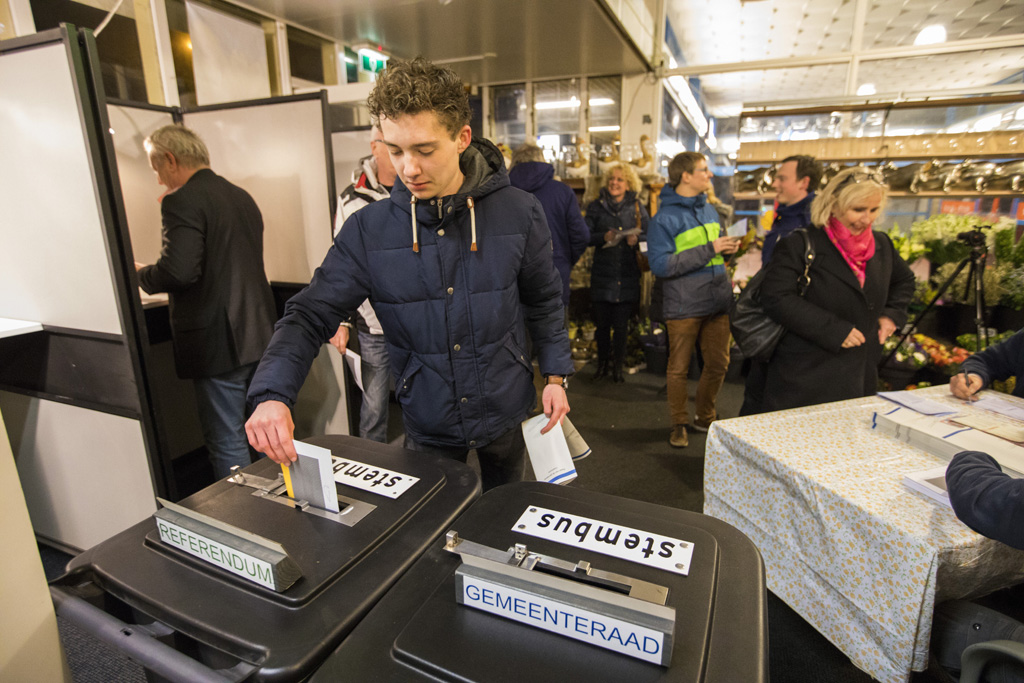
(712, 333)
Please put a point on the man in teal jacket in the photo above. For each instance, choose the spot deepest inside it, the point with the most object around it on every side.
(686, 250)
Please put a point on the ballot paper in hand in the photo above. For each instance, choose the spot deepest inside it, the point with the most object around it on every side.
(355, 365)
(313, 477)
(738, 229)
(549, 452)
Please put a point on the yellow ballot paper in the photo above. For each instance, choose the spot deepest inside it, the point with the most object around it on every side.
(286, 471)
(549, 452)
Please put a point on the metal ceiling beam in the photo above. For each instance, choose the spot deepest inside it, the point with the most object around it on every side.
(907, 100)
(1011, 41)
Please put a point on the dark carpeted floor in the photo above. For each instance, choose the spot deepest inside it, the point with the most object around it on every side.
(627, 426)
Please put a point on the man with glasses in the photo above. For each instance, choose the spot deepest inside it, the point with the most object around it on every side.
(372, 181)
(686, 248)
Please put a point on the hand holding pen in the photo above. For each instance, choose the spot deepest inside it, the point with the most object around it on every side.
(966, 385)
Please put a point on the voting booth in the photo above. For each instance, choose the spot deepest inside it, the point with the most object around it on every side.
(538, 582)
(241, 582)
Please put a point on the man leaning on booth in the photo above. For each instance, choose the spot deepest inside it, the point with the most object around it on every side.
(211, 265)
(457, 264)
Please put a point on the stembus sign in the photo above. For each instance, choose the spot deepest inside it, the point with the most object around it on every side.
(372, 478)
(671, 554)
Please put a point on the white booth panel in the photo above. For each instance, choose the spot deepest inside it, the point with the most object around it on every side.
(129, 127)
(54, 266)
(229, 56)
(349, 147)
(277, 153)
(85, 473)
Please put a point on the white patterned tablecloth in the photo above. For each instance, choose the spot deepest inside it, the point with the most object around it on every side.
(857, 554)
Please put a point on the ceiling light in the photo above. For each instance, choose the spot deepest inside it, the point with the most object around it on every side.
(866, 89)
(558, 104)
(603, 129)
(601, 101)
(930, 35)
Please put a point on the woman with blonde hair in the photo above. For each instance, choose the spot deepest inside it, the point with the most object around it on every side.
(615, 276)
(856, 297)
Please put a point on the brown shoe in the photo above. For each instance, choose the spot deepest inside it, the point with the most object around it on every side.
(679, 438)
(699, 426)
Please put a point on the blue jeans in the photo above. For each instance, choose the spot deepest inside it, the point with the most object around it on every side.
(501, 462)
(221, 402)
(373, 415)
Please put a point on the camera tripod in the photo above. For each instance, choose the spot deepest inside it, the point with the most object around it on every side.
(975, 262)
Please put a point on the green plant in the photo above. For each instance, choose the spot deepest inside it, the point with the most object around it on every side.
(938, 234)
(1012, 282)
(909, 247)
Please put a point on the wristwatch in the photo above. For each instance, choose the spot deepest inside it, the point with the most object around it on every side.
(557, 379)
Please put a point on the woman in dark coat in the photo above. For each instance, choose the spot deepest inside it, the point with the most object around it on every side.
(857, 297)
(615, 276)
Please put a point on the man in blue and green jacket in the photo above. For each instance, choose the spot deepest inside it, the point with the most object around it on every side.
(686, 250)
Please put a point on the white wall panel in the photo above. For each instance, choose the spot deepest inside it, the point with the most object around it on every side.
(229, 57)
(54, 266)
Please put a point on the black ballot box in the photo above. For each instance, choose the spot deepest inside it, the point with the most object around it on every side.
(185, 618)
(470, 617)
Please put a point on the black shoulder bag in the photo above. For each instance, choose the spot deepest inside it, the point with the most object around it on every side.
(754, 331)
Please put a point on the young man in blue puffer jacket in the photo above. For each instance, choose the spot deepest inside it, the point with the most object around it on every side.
(457, 264)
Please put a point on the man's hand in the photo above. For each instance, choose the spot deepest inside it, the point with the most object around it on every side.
(609, 236)
(271, 430)
(556, 405)
(139, 266)
(726, 245)
(854, 338)
(340, 339)
(966, 388)
(886, 327)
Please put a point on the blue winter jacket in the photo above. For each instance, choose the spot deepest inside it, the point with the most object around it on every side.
(985, 498)
(679, 249)
(455, 320)
(1000, 362)
(569, 234)
(788, 217)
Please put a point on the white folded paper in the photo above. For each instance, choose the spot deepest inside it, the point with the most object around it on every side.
(355, 364)
(549, 452)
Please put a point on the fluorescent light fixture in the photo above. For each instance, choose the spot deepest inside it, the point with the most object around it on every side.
(931, 35)
(601, 101)
(688, 103)
(670, 148)
(558, 104)
(603, 129)
(866, 89)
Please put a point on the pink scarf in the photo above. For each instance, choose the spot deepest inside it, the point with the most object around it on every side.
(857, 250)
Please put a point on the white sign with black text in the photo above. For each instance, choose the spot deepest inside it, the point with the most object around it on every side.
(654, 550)
(243, 564)
(574, 622)
(372, 478)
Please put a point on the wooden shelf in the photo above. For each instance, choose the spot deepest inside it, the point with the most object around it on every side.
(1003, 144)
(752, 196)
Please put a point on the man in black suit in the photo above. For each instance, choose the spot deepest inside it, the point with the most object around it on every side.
(211, 265)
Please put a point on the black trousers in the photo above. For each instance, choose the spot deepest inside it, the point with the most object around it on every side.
(501, 462)
(610, 317)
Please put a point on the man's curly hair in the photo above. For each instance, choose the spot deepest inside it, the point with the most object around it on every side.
(411, 87)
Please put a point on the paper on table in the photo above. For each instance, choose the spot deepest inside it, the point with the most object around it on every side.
(931, 482)
(992, 425)
(549, 452)
(917, 403)
(355, 364)
(994, 404)
(313, 476)
(738, 229)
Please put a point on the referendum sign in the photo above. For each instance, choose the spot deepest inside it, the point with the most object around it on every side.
(671, 554)
(570, 621)
(246, 566)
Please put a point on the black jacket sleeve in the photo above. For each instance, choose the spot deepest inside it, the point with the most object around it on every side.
(901, 286)
(985, 498)
(181, 255)
(999, 361)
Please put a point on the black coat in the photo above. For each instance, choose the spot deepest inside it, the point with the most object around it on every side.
(809, 365)
(615, 276)
(211, 264)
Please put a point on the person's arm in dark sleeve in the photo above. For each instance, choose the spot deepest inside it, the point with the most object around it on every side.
(593, 223)
(780, 297)
(768, 247)
(311, 318)
(540, 294)
(999, 361)
(645, 222)
(181, 255)
(901, 286)
(579, 232)
(985, 498)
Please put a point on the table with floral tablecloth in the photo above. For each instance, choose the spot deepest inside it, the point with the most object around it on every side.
(851, 549)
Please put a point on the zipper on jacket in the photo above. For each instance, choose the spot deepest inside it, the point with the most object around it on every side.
(440, 214)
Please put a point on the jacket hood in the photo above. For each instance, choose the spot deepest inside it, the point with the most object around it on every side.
(670, 196)
(483, 166)
(531, 175)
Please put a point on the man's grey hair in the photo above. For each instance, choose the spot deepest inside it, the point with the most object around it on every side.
(188, 149)
(527, 152)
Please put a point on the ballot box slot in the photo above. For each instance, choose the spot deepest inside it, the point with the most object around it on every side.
(350, 513)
